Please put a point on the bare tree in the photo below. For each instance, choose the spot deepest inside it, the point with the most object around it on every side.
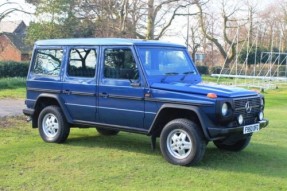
(161, 14)
(9, 7)
(225, 40)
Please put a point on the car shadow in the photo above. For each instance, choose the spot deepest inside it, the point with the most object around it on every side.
(122, 141)
(257, 158)
(253, 159)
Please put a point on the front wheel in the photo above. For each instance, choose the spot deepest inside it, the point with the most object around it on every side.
(230, 145)
(182, 142)
(52, 125)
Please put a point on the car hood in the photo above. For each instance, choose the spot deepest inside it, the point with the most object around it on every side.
(204, 89)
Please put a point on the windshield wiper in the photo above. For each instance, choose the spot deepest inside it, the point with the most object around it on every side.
(168, 74)
(186, 74)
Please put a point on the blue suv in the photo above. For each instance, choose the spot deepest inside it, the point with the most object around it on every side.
(147, 87)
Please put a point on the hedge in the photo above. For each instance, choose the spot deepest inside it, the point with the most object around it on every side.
(13, 69)
(203, 70)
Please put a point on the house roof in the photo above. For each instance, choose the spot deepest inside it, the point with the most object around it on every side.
(10, 26)
(103, 41)
(17, 41)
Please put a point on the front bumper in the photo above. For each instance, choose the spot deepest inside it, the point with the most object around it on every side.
(218, 133)
(28, 112)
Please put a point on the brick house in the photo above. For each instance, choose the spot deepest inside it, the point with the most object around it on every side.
(12, 47)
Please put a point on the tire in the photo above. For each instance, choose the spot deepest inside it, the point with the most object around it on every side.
(52, 125)
(182, 142)
(107, 132)
(236, 146)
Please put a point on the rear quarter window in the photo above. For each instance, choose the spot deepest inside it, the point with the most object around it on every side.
(48, 62)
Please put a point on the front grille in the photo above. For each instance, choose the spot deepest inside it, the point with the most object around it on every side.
(240, 108)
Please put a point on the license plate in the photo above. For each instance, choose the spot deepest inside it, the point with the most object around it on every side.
(251, 128)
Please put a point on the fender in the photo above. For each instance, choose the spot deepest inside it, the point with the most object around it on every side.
(60, 102)
(203, 119)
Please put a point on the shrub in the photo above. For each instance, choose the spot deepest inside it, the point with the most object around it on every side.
(12, 83)
(215, 70)
(203, 70)
(13, 69)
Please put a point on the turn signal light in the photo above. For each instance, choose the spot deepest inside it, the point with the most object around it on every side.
(212, 95)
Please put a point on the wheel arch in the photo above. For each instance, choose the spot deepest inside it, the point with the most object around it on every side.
(168, 112)
(45, 100)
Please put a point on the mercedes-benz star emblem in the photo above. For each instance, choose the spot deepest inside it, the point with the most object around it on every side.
(248, 108)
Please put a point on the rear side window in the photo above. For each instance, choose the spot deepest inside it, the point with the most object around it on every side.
(48, 62)
(82, 62)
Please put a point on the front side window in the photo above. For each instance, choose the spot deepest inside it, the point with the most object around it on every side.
(82, 62)
(119, 63)
(48, 62)
(161, 61)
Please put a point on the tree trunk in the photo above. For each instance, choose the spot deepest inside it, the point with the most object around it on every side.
(150, 20)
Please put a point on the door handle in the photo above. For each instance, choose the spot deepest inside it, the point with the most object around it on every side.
(104, 95)
(68, 92)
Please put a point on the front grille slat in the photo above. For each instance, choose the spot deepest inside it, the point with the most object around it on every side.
(239, 108)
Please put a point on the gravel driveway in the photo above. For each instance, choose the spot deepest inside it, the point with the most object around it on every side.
(11, 107)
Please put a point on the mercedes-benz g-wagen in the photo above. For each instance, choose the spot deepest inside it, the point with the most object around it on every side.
(139, 86)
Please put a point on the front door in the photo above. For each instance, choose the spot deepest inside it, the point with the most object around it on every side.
(79, 83)
(121, 90)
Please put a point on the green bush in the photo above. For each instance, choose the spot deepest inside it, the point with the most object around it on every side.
(215, 70)
(203, 70)
(12, 83)
(13, 69)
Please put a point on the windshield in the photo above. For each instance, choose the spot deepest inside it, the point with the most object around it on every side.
(165, 61)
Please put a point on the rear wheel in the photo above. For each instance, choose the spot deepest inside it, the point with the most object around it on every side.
(107, 132)
(52, 125)
(182, 142)
(230, 145)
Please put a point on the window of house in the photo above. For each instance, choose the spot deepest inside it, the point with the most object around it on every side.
(48, 62)
(119, 63)
(82, 62)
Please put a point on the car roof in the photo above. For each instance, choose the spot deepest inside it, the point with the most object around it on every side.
(103, 41)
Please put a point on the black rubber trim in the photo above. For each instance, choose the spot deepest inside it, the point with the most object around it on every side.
(177, 102)
(121, 96)
(43, 90)
(216, 133)
(203, 119)
(83, 93)
(113, 127)
(60, 102)
(28, 111)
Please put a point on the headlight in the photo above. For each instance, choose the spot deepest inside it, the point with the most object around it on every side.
(224, 109)
(262, 102)
(261, 116)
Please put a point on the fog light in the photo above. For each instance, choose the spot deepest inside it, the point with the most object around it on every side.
(240, 119)
(261, 116)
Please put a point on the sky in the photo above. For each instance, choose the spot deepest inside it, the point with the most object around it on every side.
(176, 33)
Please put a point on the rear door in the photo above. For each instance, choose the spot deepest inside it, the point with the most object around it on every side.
(79, 83)
(121, 90)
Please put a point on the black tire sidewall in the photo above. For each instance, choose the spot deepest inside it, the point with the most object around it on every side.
(237, 146)
(63, 128)
(190, 128)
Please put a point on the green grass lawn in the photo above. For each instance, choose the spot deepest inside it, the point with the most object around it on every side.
(12, 88)
(89, 161)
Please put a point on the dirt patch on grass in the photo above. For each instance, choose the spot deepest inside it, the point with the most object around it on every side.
(9, 122)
